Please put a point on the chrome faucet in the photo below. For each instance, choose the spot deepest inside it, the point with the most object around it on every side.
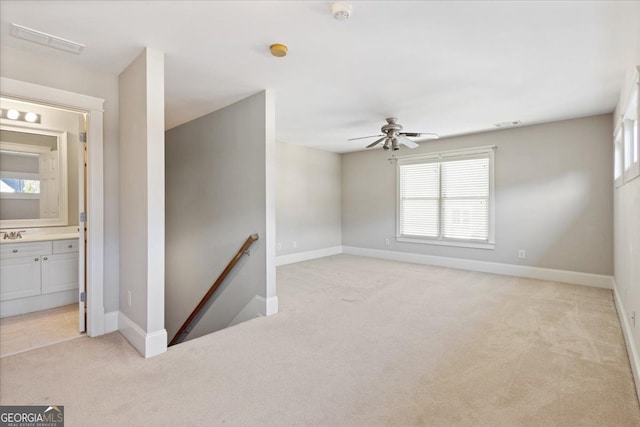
(12, 235)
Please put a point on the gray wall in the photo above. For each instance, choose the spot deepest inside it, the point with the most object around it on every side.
(215, 199)
(308, 199)
(48, 71)
(553, 196)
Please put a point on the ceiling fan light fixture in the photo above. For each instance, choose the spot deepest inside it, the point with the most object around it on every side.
(341, 10)
(393, 136)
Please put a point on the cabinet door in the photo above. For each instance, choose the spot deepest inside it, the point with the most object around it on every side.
(19, 277)
(59, 272)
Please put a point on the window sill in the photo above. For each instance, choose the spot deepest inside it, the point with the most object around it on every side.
(461, 244)
(632, 172)
(20, 196)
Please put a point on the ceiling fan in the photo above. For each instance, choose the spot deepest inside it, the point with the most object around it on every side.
(393, 137)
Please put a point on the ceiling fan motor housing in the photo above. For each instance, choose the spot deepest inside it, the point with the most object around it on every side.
(393, 137)
(392, 127)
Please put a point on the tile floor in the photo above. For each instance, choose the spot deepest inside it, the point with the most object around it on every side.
(34, 330)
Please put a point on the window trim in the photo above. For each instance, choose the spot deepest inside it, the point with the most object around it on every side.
(618, 157)
(629, 123)
(461, 154)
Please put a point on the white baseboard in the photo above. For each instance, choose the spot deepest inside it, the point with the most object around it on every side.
(147, 344)
(156, 343)
(111, 322)
(37, 303)
(254, 308)
(308, 255)
(258, 306)
(632, 349)
(574, 277)
(272, 306)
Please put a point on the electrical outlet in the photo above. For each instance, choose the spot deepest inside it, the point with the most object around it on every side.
(295, 244)
(387, 241)
(129, 297)
(522, 254)
(633, 318)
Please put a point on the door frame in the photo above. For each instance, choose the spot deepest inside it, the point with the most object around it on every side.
(95, 184)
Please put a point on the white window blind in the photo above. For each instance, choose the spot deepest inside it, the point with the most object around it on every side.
(446, 197)
(420, 199)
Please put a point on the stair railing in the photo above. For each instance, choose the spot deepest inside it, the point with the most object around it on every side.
(194, 317)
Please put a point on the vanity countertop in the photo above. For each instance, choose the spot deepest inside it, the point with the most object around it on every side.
(62, 234)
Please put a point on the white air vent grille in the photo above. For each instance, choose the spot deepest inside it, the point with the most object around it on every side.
(46, 39)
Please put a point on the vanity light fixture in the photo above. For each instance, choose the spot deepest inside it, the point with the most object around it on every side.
(23, 116)
(45, 39)
(31, 117)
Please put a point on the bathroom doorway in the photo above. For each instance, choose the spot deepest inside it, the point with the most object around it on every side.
(86, 308)
(42, 210)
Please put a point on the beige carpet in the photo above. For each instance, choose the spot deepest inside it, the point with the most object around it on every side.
(25, 332)
(360, 342)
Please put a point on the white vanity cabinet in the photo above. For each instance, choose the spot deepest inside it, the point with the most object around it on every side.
(32, 273)
(19, 278)
(20, 269)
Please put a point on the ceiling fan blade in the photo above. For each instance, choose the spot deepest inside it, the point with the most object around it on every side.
(377, 142)
(363, 137)
(421, 135)
(406, 141)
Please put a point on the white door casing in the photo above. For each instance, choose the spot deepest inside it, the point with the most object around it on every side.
(95, 183)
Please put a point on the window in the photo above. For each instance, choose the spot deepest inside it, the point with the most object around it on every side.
(16, 185)
(447, 198)
(630, 137)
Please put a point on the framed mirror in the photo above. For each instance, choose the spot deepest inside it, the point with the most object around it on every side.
(33, 177)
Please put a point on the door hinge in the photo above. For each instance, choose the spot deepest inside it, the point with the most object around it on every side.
(83, 217)
(83, 137)
(83, 296)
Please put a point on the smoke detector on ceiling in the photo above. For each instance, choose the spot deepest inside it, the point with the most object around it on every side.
(341, 10)
(508, 124)
(279, 50)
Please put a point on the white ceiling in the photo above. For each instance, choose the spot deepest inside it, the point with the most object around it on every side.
(445, 67)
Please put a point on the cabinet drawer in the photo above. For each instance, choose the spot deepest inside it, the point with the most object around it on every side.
(19, 250)
(65, 246)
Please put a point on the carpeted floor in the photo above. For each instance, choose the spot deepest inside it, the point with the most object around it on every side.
(360, 342)
(25, 332)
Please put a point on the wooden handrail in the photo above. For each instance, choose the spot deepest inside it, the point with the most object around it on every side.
(183, 331)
